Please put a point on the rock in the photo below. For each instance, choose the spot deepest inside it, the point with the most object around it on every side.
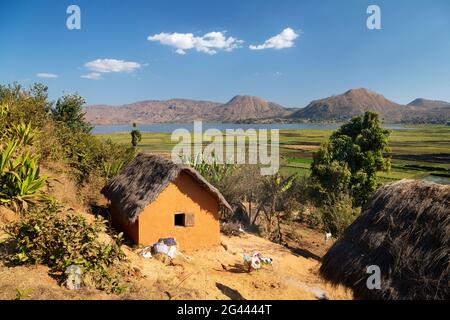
(8, 216)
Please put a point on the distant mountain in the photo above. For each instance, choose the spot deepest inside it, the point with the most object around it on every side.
(182, 110)
(420, 102)
(342, 107)
(357, 101)
(427, 111)
(247, 107)
(151, 111)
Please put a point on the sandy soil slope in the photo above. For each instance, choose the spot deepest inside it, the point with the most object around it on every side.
(215, 273)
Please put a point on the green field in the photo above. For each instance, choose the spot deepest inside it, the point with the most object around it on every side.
(417, 152)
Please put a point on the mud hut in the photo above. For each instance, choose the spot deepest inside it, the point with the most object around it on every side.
(405, 231)
(153, 198)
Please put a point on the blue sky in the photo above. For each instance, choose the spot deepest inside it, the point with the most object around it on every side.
(333, 52)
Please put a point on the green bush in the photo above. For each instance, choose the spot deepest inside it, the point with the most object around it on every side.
(69, 110)
(313, 219)
(61, 134)
(25, 106)
(60, 239)
(86, 155)
(338, 215)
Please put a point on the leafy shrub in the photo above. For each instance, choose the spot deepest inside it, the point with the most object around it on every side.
(60, 239)
(313, 219)
(61, 133)
(86, 155)
(69, 110)
(242, 189)
(25, 106)
(231, 228)
(336, 217)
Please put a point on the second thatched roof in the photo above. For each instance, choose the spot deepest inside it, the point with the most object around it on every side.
(144, 178)
(405, 231)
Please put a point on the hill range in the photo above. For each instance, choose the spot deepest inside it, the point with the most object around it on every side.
(336, 108)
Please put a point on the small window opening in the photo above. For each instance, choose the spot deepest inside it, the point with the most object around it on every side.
(180, 220)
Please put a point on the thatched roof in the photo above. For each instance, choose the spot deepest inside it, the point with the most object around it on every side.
(405, 230)
(144, 178)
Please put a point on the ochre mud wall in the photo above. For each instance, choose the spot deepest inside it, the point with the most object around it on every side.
(157, 220)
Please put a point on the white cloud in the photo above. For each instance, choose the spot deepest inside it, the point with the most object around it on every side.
(209, 43)
(92, 76)
(283, 40)
(47, 75)
(112, 65)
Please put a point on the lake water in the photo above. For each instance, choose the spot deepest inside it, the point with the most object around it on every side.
(170, 127)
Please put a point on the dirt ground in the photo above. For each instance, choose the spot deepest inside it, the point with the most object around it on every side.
(215, 273)
(218, 274)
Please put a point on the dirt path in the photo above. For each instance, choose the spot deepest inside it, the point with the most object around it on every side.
(217, 273)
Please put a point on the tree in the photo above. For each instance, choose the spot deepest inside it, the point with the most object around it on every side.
(136, 136)
(277, 200)
(69, 109)
(350, 160)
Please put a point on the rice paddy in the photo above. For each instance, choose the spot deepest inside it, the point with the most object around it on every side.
(418, 152)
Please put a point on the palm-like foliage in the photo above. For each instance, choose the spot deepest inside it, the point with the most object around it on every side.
(110, 170)
(23, 132)
(20, 180)
(211, 169)
(4, 109)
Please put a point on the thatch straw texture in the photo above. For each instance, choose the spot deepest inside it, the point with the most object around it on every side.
(405, 230)
(143, 179)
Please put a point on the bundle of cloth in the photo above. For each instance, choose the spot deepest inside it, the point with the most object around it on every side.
(166, 247)
(256, 261)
